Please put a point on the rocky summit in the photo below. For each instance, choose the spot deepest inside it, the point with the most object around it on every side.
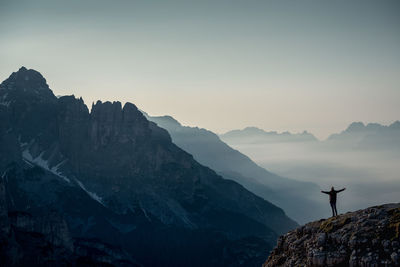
(367, 237)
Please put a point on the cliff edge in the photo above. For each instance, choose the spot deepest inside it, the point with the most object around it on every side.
(368, 237)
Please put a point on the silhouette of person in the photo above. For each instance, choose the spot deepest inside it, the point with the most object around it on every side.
(332, 199)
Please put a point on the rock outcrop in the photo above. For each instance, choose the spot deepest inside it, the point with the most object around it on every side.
(369, 237)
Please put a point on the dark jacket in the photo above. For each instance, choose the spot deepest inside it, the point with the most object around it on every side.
(333, 194)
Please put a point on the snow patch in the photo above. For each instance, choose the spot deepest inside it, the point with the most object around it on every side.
(91, 194)
(177, 209)
(23, 144)
(4, 174)
(5, 103)
(27, 162)
(144, 211)
(54, 169)
(39, 161)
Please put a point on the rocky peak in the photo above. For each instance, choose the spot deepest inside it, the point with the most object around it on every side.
(72, 106)
(25, 84)
(167, 122)
(26, 79)
(355, 127)
(369, 237)
(111, 123)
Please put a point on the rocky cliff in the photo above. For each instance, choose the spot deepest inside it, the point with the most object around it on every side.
(367, 237)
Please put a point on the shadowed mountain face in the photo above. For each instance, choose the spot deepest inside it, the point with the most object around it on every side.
(45, 240)
(298, 199)
(117, 177)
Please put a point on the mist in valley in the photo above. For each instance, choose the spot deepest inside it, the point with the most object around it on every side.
(370, 174)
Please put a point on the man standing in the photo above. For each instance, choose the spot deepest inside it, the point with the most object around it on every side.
(332, 199)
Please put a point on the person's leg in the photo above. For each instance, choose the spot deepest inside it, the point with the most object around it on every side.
(333, 211)
(334, 205)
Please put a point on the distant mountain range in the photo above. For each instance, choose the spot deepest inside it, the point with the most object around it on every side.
(116, 180)
(257, 135)
(370, 136)
(364, 158)
(208, 149)
(356, 135)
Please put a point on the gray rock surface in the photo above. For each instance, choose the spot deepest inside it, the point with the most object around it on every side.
(367, 237)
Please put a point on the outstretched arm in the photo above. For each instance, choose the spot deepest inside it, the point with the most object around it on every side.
(341, 190)
(325, 192)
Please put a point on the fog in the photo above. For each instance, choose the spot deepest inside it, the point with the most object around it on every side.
(371, 176)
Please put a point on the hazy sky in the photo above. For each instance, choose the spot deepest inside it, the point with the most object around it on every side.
(279, 65)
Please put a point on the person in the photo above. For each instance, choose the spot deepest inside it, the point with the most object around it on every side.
(332, 199)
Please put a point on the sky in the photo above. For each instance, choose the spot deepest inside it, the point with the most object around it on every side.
(221, 65)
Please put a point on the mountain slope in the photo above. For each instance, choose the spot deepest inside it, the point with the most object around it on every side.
(117, 177)
(28, 240)
(367, 237)
(208, 149)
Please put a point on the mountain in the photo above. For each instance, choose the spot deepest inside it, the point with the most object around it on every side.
(369, 237)
(254, 135)
(117, 178)
(369, 136)
(208, 149)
